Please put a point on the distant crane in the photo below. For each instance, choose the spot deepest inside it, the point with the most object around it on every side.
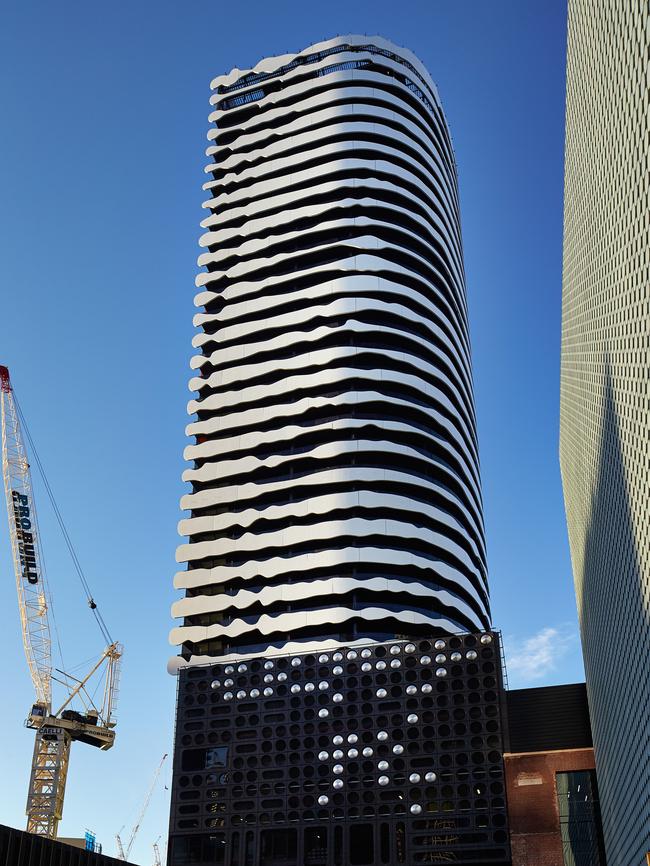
(156, 854)
(55, 731)
(123, 854)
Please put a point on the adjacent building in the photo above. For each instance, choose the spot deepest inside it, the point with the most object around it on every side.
(339, 685)
(553, 805)
(605, 397)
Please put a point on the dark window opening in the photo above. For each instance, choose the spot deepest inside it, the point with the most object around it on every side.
(204, 759)
(362, 849)
(384, 843)
(315, 853)
(279, 848)
(198, 850)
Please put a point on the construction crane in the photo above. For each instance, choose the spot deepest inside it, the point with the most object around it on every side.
(122, 853)
(55, 731)
(156, 854)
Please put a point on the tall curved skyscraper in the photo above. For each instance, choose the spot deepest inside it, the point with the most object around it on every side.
(334, 463)
(336, 617)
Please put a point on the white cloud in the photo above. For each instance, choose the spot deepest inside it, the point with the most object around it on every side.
(529, 660)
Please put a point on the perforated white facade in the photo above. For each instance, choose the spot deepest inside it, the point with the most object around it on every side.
(605, 399)
(334, 463)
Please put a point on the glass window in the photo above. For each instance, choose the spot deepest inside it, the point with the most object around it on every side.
(216, 757)
(580, 825)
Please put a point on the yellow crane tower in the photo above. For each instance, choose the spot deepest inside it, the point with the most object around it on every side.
(94, 724)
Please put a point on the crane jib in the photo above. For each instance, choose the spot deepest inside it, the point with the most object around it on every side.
(25, 536)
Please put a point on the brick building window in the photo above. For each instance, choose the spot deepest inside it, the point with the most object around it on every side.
(580, 825)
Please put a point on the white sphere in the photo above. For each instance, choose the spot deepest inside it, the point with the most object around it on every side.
(381, 693)
(323, 659)
(414, 778)
(338, 739)
(323, 756)
(382, 765)
(352, 738)
(441, 672)
(215, 684)
(383, 780)
(416, 808)
(337, 783)
(323, 800)
(439, 645)
(367, 752)
(337, 769)
(398, 748)
(411, 718)
(268, 692)
(430, 777)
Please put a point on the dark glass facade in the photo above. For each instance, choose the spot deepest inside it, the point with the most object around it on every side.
(385, 754)
(580, 825)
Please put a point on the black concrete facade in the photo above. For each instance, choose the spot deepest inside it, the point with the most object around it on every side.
(387, 754)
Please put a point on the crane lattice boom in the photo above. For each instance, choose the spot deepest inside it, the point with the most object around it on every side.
(122, 854)
(25, 547)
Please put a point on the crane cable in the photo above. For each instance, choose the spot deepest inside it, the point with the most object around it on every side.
(75, 559)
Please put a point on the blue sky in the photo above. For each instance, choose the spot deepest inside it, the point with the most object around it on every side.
(104, 112)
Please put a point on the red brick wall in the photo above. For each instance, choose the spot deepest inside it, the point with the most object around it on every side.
(532, 803)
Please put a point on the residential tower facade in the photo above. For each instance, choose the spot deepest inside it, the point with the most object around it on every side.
(339, 680)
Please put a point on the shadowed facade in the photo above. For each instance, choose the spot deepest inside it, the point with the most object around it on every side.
(605, 407)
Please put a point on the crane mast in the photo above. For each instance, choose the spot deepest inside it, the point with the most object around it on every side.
(55, 731)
